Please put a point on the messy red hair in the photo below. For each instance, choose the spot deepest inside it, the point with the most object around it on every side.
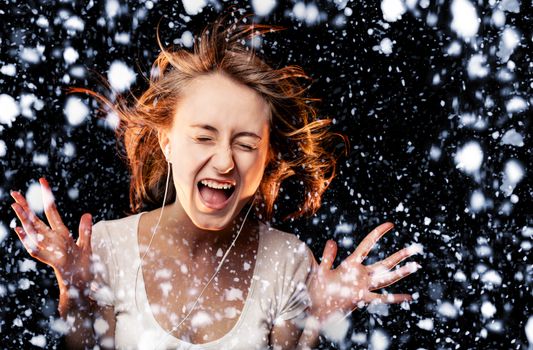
(299, 141)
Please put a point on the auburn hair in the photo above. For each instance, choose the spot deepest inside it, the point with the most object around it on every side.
(300, 142)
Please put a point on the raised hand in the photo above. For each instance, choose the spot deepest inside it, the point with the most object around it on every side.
(351, 284)
(54, 245)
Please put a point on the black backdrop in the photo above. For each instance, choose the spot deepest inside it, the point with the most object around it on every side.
(390, 107)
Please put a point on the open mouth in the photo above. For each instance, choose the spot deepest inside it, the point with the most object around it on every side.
(215, 194)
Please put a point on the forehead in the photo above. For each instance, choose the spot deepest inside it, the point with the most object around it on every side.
(218, 100)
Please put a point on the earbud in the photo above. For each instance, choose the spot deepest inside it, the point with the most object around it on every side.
(167, 151)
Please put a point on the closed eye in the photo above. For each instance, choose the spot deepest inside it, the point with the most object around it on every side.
(203, 139)
(245, 147)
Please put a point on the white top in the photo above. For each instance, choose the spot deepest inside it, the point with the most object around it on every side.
(277, 290)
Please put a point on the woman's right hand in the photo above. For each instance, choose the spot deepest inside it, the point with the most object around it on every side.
(54, 245)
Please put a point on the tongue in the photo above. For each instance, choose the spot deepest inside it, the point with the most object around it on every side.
(212, 195)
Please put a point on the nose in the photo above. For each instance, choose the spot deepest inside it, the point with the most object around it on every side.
(223, 160)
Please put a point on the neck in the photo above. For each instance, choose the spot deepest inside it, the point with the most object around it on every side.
(180, 231)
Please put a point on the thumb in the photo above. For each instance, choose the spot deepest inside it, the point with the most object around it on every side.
(85, 230)
(329, 254)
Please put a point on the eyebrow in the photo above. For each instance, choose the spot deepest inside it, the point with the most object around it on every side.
(213, 129)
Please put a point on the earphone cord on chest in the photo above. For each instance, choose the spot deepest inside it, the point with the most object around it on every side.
(212, 277)
(153, 233)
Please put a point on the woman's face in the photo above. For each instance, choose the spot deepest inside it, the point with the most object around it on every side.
(219, 143)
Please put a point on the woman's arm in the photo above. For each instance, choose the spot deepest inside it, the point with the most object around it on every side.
(54, 245)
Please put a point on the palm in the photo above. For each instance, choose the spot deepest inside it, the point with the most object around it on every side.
(351, 284)
(54, 245)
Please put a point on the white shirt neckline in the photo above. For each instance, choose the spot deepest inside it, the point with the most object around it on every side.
(146, 304)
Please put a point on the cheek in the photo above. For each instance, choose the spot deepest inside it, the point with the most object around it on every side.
(252, 168)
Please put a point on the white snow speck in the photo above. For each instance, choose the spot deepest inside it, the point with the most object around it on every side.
(465, 21)
(233, 294)
(3, 234)
(454, 49)
(34, 197)
(477, 201)
(526, 231)
(487, 309)
(38, 340)
(509, 40)
(9, 69)
(344, 228)
(76, 111)
(385, 46)
(100, 326)
(510, 5)
(392, 10)
(379, 340)
(193, 7)
(246, 266)
(469, 157)
(308, 13)
(112, 8)
(30, 55)
(513, 173)
(511, 137)
(74, 23)
(491, 277)
(459, 276)
(24, 283)
(27, 265)
(516, 105)
(122, 38)
(263, 7)
(40, 159)
(529, 330)
(220, 253)
(3, 149)
(230, 312)
(42, 22)
(201, 319)
(426, 324)
(435, 153)
(335, 327)
(477, 67)
(399, 207)
(120, 76)
(59, 325)
(9, 109)
(69, 150)
(187, 39)
(70, 55)
(447, 310)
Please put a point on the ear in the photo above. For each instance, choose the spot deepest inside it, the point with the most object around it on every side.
(164, 141)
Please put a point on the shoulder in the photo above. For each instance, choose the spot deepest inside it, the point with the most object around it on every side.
(283, 244)
(104, 230)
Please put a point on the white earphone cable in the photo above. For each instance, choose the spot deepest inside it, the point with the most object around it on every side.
(212, 277)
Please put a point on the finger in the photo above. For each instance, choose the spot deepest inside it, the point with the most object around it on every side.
(50, 209)
(395, 259)
(28, 244)
(375, 298)
(360, 253)
(85, 229)
(33, 226)
(388, 278)
(328, 256)
(19, 198)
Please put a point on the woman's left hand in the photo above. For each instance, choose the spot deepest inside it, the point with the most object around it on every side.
(351, 284)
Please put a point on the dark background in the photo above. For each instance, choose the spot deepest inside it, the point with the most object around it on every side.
(388, 106)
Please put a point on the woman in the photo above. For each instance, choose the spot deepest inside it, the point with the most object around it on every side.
(204, 270)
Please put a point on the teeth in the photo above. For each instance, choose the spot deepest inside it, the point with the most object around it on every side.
(214, 184)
